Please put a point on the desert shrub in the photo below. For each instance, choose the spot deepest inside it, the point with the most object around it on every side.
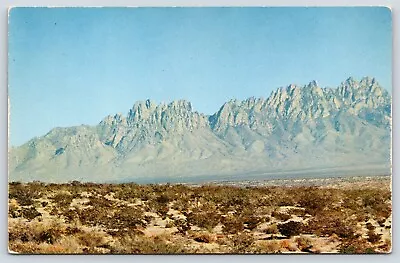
(119, 233)
(272, 246)
(278, 196)
(352, 204)
(291, 228)
(163, 199)
(180, 205)
(13, 210)
(54, 211)
(336, 227)
(24, 247)
(148, 218)
(280, 216)
(383, 211)
(63, 200)
(92, 216)
(71, 230)
(332, 222)
(182, 225)
(75, 183)
(287, 201)
(70, 215)
(206, 220)
(160, 190)
(348, 250)
(36, 187)
(145, 193)
(69, 245)
(89, 186)
(355, 246)
(100, 202)
(271, 229)
(297, 211)
(370, 226)
(242, 243)
(237, 197)
(24, 194)
(48, 236)
(287, 244)
(169, 224)
(373, 197)
(127, 217)
(362, 217)
(203, 238)
(62, 247)
(232, 225)
(132, 191)
(139, 245)
(373, 237)
(304, 244)
(345, 231)
(372, 201)
(381, 222)
(102, 189)
(25, 200)
(36, 232)
(91, 239)
(335, 213)
(314, 200)
(386, 246)
(250, 221)
(161, 209)
(30, 213)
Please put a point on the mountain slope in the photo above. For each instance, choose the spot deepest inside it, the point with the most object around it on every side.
(295, 128)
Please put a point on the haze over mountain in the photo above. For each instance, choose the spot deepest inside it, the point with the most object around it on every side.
(296, 131)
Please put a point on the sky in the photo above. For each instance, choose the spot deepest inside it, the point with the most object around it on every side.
(73, 66)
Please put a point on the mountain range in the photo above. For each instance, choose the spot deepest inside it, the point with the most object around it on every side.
(297, 131)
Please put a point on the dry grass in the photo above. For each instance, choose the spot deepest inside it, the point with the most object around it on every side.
(170, 219)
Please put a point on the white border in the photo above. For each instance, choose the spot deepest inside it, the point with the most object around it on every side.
(5, 257)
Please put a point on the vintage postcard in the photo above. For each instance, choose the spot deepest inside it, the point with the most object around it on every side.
(223, 130)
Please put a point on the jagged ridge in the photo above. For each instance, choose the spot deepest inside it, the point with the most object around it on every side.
(295, 127)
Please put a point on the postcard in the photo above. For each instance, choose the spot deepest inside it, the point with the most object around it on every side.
(200, 130)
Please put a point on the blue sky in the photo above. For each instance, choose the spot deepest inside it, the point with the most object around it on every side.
(72, 66)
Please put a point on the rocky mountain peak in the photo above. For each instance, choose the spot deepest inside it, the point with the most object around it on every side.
(312, 84)
(148, 122)
(364, 93)
(296, 126)
(181, 104)
(141, 110)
